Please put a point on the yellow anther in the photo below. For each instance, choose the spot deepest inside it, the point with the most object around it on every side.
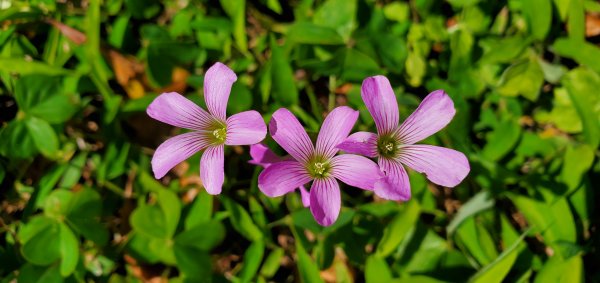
(220, 134)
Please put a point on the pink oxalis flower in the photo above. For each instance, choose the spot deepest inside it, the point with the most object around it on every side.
(319, 164)
(211, 130)
(264, 157)
(394, 144)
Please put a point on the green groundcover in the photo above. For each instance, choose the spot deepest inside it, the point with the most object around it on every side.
(78, 197)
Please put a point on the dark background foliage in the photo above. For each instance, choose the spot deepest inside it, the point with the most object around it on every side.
(79, 204)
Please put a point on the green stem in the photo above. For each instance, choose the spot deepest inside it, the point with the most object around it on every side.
(314, 103)
(332, 82)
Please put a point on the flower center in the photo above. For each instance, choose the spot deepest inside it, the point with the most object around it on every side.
(318, 168)
(220, 135)
(388, 146)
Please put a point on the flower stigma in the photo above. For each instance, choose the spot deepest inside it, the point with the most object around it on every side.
(220, 134)
(318, 168)
(387, 146)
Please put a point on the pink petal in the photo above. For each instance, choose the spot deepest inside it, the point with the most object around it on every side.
(212, 169)
(175, 150)
(287, 131)
(174, 109)
(395, 186)
(305, 195)
(217, 86)
(379, 97)
(335, 130)
(363, 143)
(245, 128)
(355, 170)
(262, 155)
(443, 166)
(432, 115)
(282, 177)
(325, 201)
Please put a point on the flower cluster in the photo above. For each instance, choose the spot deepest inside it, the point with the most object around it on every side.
(393, 145)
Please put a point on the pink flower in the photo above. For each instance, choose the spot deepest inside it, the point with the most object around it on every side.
(318, 164)
(210, 130)
(395, 145)
(264, 157)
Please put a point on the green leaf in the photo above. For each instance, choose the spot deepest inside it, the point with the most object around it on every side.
(395, 232)
(577, 161)
(582, 204)
(69, 250)
(114, 162)
(265, 82)
(499, 268)
(557, 269)
(309, 33)
(502, 50)
(417, 278)
(73, 172)
(274, 5)
(236, 9)
(477, 241)
(397, 11)
(554, 221)
(272, 263)
(34, 90)
(257, 212)
(252, 259)
(564, 224)
(43, 136)
(39, 274)
(241, 220)
(149, 249)
(25, 67)
(562, 6)
(56, 109)
(582, 52)
(143, 9)
(553, 73)
(502, 140)
(463, 3)
(522, 78)
(415, 68)
(478, 203)
(576, 20)
(201, 210)
(424, 254)
(539, 17)
(339, 15)
(41, 240)
(240, 99)
(150, 221)
(16, 142)
(580, 83)
(85, 209)
(284, 89)
(392, 50)
(308, 270)
(377, 270)
(193, 263)
(2, 173)
(563, 114)
(171, 208)
(204, 236)
(119, 29)
(355, 65)
(57, 204)
(164, 54)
